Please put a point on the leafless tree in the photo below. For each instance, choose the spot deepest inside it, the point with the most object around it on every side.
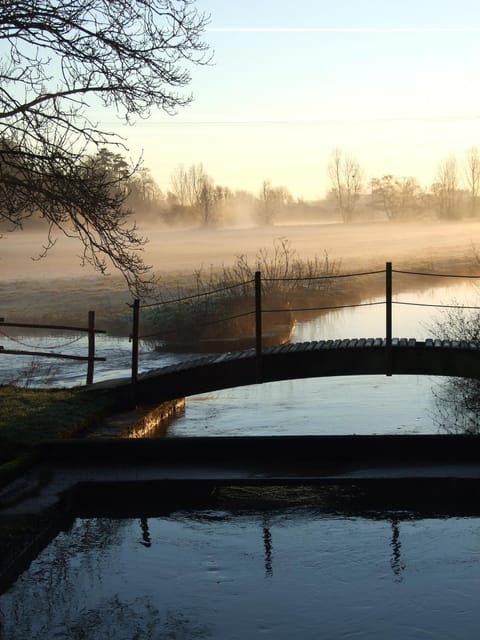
(346, 179)
(399, 198)
(472, 174)
(445, 189)
(179, 185)
(194, 188)
(207, 199)
(271, 201)
(61, 61)
(197, 178)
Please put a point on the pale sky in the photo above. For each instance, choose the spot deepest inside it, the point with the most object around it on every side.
(396, 83)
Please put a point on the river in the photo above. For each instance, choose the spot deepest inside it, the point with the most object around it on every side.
(298, 573)
(297, 568)
(355, 404)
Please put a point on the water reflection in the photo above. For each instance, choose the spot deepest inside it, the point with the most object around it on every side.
(267, 543)
(202, 575)
(146, 541)
(396, 560)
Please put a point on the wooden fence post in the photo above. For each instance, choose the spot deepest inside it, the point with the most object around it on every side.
(91, 347)
(258, 324)
(135, 337)
(388, 328)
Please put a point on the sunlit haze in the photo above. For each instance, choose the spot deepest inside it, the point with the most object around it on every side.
(392, 83)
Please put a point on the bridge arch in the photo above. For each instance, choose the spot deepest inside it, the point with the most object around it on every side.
(310, 360)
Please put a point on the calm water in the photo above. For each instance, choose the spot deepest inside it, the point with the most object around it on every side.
(354, 404)
(293, 572)
(63, 373)
(228, 576)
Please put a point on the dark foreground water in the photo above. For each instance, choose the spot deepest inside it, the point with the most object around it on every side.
(294, 573)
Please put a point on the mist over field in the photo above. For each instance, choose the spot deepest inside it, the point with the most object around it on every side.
(185, 250)
(58, 288)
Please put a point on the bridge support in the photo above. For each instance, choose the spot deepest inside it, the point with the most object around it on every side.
(388, 319)
(258, 324)
(91, 347)
(134, 338)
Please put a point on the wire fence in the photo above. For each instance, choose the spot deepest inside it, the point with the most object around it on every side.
(299, 279)
(324, 277)
(201, 317)
(36, 350)
(300, 309)
(197, 296)
(241, 307)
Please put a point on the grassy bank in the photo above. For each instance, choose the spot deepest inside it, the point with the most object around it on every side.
(28, 416)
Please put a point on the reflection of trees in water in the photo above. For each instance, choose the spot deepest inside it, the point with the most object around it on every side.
(61, 595)
(92, 534)
(457, 407)
(68, 590)
(54, 586)
(113, 619)
(138, 618)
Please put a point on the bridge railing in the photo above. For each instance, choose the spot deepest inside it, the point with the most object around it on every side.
(251, 293)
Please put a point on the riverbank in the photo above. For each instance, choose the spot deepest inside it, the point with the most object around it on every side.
(28, 417)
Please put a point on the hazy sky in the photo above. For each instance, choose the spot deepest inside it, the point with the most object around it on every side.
(396, 83)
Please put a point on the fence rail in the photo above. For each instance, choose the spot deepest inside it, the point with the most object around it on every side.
(251, 289)
(258, 310)
(90, 330)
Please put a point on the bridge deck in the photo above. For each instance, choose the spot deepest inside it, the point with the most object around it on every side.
(359, 356)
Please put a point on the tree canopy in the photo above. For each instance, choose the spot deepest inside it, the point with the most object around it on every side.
(60, 62)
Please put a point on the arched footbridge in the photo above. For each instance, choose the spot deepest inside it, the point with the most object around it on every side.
(363, 356)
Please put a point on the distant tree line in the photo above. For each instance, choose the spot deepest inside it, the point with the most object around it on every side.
(454, 193)
(193, 198)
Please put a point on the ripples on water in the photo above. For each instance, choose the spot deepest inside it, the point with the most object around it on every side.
(222, 575)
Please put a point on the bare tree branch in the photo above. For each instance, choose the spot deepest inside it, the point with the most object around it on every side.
(60, 58)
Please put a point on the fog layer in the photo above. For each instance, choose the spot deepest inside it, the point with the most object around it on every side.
(185, 250)
(57, 289)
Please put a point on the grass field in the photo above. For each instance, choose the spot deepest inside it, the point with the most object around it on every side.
(28, 416)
